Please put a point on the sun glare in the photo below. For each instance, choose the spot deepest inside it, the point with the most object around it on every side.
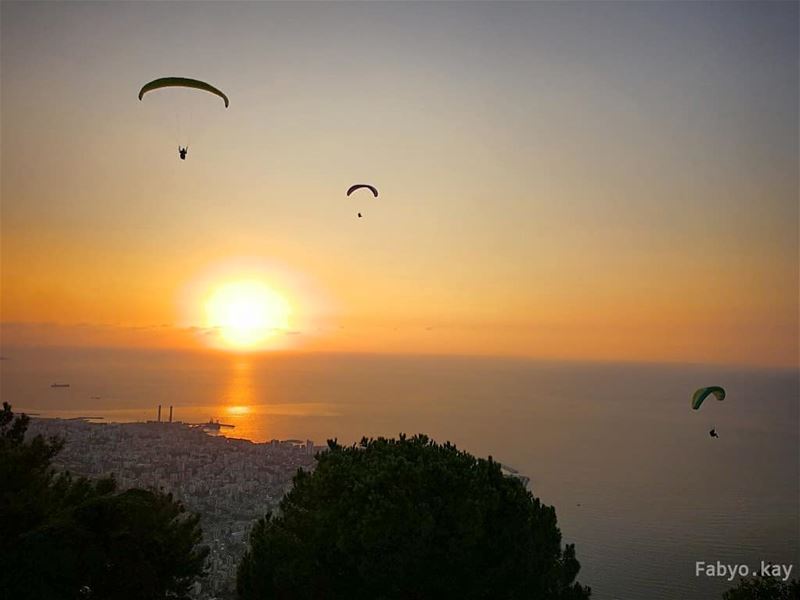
(246, 314)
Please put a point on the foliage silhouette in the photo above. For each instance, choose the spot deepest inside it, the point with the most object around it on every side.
(67, 538)
(410, 519)
(764, 588)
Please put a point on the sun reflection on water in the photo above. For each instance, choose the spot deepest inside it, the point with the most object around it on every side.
(256, 414)
(239, 398)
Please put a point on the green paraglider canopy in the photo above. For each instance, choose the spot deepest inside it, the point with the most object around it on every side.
(182, 82)
(703, 393)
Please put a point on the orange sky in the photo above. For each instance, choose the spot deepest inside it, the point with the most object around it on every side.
(549, 188)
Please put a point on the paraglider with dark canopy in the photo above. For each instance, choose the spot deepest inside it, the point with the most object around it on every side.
(358, 186)
(182, 82)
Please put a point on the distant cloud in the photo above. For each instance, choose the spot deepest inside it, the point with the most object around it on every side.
(193, 337)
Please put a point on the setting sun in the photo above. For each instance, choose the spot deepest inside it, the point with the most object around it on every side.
(246, 313)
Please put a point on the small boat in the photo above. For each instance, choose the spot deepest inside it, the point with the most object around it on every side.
(59, 385)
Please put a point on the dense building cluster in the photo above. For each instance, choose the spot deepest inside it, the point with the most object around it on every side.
(230, 482)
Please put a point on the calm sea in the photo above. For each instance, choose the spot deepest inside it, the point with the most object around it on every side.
(638, 484)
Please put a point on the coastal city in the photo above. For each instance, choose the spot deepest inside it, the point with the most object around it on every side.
(230, 482)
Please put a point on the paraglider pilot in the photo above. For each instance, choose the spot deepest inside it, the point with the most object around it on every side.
(713, 433)
(183, 151)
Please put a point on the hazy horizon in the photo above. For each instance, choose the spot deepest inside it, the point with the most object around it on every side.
(7, 353)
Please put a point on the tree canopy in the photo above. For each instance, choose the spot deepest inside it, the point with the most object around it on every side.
(63, 537)
(764, 588)
(408, 518)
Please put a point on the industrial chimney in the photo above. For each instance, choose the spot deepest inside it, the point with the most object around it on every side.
(170, 413)
(159, 413)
